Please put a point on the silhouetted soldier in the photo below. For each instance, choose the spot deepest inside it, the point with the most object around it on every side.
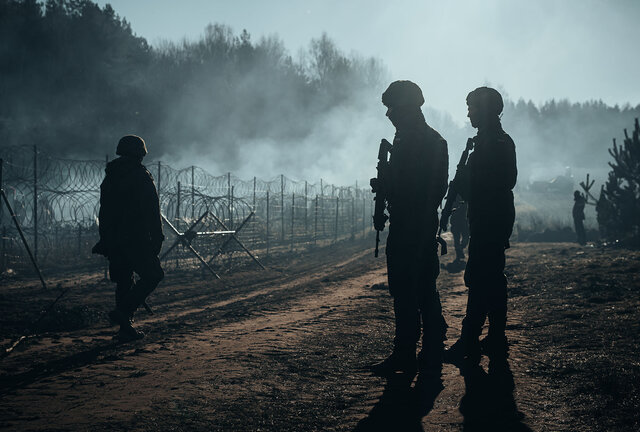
(130, 231)
(415, 185)
(460, 228)
(578, 217)
(604, 215)
(486, 183)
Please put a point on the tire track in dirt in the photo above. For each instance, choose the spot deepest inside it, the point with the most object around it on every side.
(286, 353)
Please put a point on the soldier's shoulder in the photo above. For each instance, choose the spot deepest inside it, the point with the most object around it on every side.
(433, 136)
(143, 174)
(506, 139)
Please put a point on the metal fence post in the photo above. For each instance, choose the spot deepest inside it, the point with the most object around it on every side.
(178, 207)
(322, 215)
(315, 223)
(193, 193)
(282, 207)
(353, 217)
(337, 209)
(231, 208)
(267, 223)
(306, 222)
(254, 193)
(35, 202)
(229, 199)
(293, 206)
(364, 206)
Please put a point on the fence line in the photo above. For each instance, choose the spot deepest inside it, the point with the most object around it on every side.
(56, 201)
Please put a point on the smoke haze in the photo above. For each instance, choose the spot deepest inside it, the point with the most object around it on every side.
(76, 77)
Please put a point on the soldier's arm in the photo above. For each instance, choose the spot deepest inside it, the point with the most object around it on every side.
(105, 214)
(152, 211)
(500, 171)
(442, 170)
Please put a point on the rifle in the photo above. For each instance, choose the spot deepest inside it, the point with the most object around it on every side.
(452, 193)
(378, 187)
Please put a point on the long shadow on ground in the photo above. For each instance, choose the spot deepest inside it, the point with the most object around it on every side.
(401, 407)
(46, 369)
(488, 403)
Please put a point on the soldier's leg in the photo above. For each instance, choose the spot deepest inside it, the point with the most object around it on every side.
(457, 244)
(150, 271)
(407, 324)
(495, 345)
(468, 346)
(434, 327)
(433, 333)
(121, 272)
(465, 239)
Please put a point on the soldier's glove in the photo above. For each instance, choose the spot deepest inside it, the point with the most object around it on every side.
(374, 184)
(380, 221)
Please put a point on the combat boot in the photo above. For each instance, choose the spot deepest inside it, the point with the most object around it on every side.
(465, 352)
(400, 361)
(128, 333)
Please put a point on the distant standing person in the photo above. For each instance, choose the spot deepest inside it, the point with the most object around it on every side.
(578, 217)
(414, 187)
(130, 232)
(486, 184)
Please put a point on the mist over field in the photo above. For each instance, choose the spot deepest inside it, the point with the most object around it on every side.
(76, 77)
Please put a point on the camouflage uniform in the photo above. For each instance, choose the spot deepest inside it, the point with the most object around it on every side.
(131, 233)
(416, 184)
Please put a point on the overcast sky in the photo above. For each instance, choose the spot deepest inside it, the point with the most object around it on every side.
(538, 50)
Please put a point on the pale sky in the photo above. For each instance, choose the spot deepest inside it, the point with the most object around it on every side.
(538, 50)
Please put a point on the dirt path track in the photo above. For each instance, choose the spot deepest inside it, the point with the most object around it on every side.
(282, 350)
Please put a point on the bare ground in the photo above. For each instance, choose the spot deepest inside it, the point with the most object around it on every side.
(287, 349)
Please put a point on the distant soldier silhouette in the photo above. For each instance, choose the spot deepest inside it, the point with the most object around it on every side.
(486, 183)
(460, 228)
(578, 217)
(604, 214)
(130, 231)
(415, 185)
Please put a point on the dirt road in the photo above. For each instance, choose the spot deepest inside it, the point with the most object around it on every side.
(287, 350)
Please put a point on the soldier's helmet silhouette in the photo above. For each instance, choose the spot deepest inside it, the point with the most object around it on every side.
(403, 93)
(486, 98)
(131, 145)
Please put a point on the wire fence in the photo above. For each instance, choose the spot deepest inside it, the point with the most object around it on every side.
(56, 202)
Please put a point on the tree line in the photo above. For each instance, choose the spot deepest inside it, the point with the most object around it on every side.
(74, 76)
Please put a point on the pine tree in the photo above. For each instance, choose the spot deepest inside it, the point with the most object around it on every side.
(619, 203)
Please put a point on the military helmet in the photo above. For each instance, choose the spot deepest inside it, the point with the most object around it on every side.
(131, 145)
(486, 98)
(403, 93)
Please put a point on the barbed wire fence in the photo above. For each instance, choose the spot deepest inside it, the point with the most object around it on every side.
(56, 202)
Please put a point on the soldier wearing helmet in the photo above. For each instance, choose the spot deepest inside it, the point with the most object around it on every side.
(130, 231)
(486, 184)
(415, 185)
